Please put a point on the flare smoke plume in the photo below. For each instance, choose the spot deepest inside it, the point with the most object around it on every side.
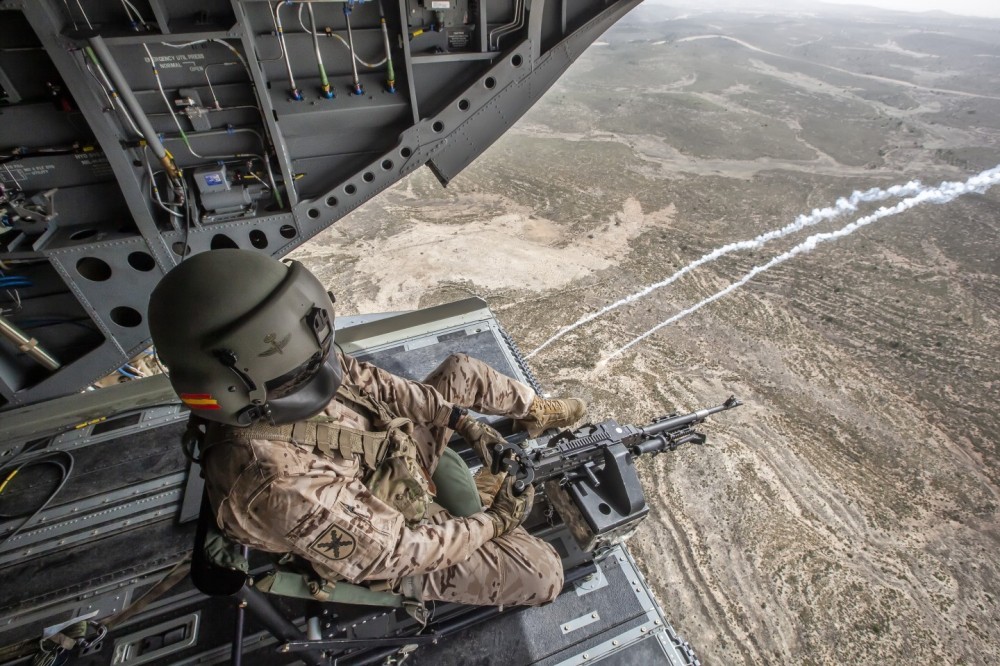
(942, 194)
(842, 206)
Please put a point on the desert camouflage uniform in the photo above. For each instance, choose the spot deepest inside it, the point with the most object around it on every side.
(286, 497)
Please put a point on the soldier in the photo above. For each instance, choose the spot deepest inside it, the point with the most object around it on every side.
(310, 452)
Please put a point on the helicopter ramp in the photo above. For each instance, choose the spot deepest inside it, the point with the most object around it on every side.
(125, 519)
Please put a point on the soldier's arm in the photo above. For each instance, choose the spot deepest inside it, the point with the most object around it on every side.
(418, 402)
(344, 531)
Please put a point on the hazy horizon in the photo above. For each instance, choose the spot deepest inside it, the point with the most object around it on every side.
(979, 8)
(988, 8)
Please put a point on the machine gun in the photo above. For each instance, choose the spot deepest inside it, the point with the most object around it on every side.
(589, 474)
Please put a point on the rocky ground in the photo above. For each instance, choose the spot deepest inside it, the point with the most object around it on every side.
(848, 513)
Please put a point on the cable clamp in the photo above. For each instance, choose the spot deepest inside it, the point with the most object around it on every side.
(29, 346)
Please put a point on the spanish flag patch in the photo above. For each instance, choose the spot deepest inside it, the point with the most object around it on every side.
(199, 401)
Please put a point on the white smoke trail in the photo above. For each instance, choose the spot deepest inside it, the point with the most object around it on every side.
(942, 194)
(842, 206)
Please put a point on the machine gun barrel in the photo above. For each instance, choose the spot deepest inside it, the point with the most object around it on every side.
(670, 423)
(672, 431)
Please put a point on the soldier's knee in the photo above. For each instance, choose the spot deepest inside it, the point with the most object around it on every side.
(552, 578)
(457, 360)
(451, 364)
(447, 372)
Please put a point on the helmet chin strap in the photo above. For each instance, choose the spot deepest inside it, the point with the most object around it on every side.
(309, 400)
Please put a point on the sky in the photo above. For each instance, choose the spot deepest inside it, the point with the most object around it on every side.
(961, 7)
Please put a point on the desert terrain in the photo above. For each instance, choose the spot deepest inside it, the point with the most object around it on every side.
(848, 513)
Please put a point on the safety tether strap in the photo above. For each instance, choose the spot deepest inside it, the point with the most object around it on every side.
(300, 586)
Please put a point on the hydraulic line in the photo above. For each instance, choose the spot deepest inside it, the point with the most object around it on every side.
(187, 142)
(132, 21)
(142, 21)
(218, 132)
(156, 190)
(293, 91)
(220, 42)
(85, 17)
(325, 89)
(236, 53)
(27, 344)
(19, 152)
(274, 24)
(328, 32)
(390, 75)
(109, 88)
(239, 56)
(358, 90)
(208, 82)
(70, 14)
(115, 74)
(274, 184)
(88, 64)
(513, 26)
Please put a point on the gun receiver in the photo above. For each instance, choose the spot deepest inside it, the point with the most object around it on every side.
(589, 474)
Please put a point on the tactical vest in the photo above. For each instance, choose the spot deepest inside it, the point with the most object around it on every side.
(388, 454)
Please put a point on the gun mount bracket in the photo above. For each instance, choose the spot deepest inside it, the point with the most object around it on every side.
(591, 582)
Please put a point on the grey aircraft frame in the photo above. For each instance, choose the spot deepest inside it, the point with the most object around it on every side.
(94, 213)
(134, 133)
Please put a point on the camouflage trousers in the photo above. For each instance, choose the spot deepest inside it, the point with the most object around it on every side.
(516, 568)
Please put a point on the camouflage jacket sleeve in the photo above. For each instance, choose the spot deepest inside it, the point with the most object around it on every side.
(347, 533)
(418, 402)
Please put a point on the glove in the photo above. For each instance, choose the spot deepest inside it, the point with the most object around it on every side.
(480, 437)
(508, 511)
(488, 485)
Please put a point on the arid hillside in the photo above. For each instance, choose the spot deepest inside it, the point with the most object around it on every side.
(848, 513)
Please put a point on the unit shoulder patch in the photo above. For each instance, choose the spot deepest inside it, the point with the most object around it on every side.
(334, 543)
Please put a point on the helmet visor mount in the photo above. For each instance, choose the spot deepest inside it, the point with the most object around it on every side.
(294, 379)
(279, 354)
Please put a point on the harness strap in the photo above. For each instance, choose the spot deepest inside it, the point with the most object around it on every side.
(329, 437)
(333, 438)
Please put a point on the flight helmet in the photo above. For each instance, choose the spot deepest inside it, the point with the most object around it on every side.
(246, 338)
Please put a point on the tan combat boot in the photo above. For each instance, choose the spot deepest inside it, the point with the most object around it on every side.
(546, 413)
